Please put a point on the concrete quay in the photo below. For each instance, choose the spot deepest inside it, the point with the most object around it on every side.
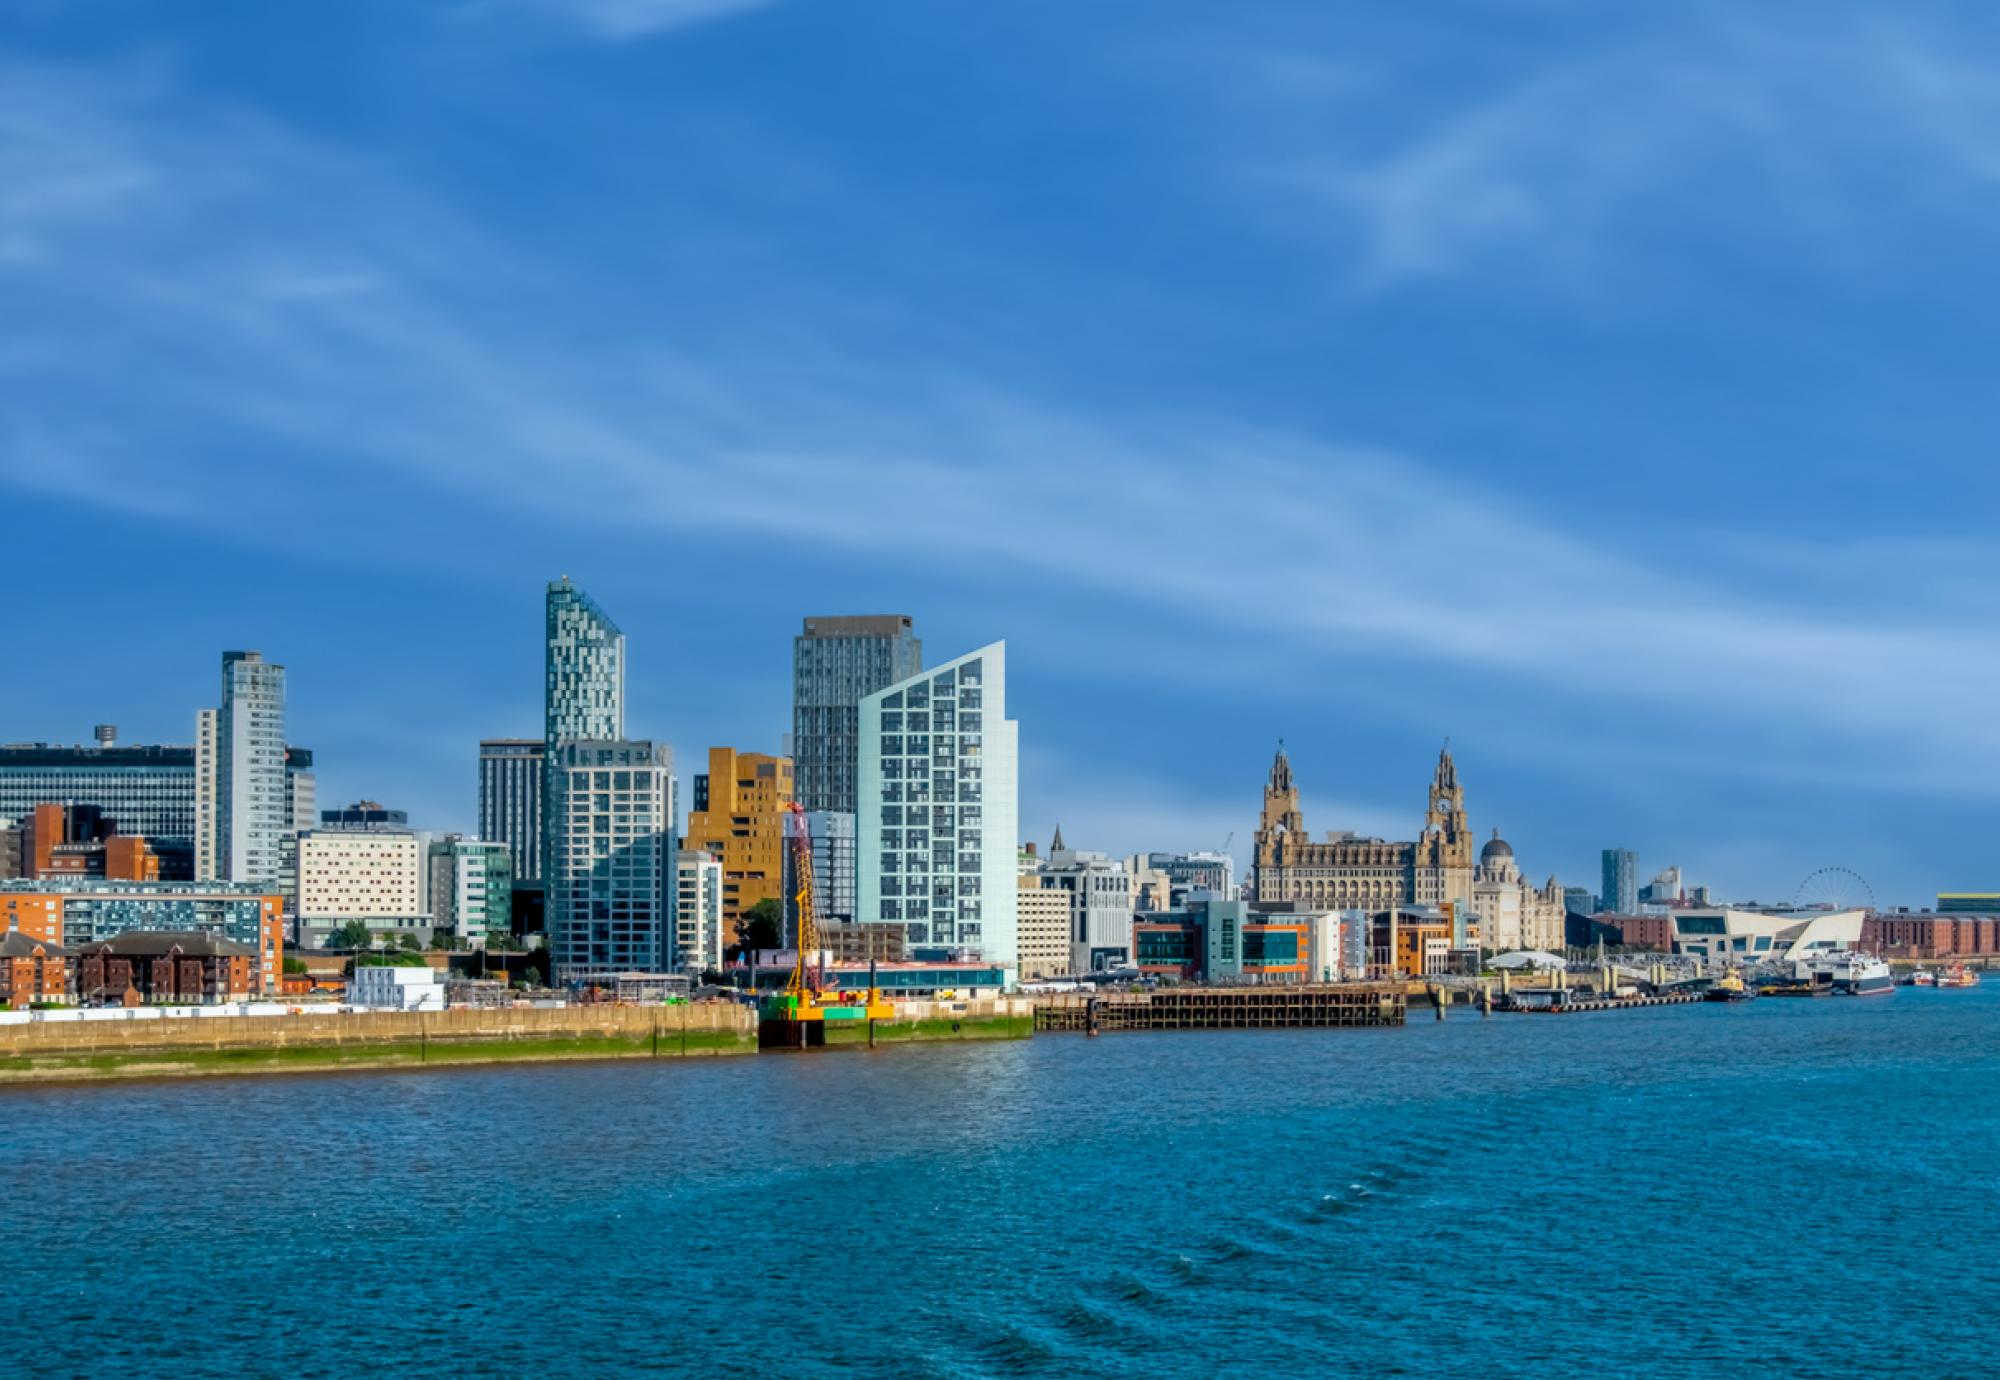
(151, 1044)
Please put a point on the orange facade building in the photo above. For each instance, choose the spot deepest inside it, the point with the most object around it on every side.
(741, 812)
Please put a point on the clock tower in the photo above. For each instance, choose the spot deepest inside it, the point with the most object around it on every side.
(1444, 849)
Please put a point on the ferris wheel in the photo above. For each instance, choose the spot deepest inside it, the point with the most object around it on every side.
(1834, 888)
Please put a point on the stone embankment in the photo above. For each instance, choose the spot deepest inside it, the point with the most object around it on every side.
(150, 1044)
(175, 1046)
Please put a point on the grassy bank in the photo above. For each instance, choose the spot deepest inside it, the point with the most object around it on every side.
(187, 1061)
(928, 1028)
(176, 1051)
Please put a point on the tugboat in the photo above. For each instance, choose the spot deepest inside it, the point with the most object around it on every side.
(1729, 987)
(1922, 977)
(1958, 975)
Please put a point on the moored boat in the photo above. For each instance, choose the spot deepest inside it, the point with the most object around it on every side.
(1958, 975)
(1922, 977)
(1850, 974)
(1729, 987)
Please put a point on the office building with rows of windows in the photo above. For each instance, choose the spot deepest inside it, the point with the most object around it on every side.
(149, 791)
(610, 863)
(510, 800)
(935, 827)
(836, 663)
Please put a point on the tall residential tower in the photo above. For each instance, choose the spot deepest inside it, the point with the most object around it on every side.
(610, 861)
(250, 770)
(584, 664)
(836, 663)
(938, 820)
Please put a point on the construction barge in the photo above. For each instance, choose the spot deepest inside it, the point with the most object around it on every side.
(1225, 1008)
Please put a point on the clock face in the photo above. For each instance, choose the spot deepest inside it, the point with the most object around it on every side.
(1444, 807)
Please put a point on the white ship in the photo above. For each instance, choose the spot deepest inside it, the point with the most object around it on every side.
(1851, 974)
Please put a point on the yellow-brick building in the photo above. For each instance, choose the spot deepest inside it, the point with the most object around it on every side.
(739, 815)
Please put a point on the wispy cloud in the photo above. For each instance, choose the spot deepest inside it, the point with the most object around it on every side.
(246, 292)
(1536, 165)
(621, 20)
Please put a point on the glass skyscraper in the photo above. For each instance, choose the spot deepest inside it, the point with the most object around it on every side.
(836, 663)
(584, 687)
(937, 824)
(250, 770)
(583, 695)
(1621, 881)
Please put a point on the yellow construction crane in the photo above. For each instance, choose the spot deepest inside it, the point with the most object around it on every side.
(805, 998)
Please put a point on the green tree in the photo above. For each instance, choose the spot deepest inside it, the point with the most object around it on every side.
(294, 967)
(408, 942)
(762, 927)
(352, 935)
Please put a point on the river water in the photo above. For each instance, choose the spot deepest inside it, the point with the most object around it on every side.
(1796, 1187)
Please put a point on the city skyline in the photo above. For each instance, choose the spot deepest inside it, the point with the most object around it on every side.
(1646, 488)
(1384, 819)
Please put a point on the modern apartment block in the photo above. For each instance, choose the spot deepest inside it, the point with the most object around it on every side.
(610, 864)
(698, 934)
(836, 663)
(510, 800)
(148, 791)
(207, 797)
(250, 775)
(936, 826)
(1621, 881)
(471, 887)
(741, 814)
(79, 913)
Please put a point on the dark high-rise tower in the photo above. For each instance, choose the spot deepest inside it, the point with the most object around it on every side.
(836, 662)
(510, 800)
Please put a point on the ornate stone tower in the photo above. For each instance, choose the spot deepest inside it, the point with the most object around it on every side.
(1280, 829)
(1444, 850)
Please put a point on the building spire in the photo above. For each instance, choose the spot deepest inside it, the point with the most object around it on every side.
(1281, 770)
(1056, 844)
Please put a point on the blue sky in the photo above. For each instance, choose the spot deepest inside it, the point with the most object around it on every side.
(1604, 387)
